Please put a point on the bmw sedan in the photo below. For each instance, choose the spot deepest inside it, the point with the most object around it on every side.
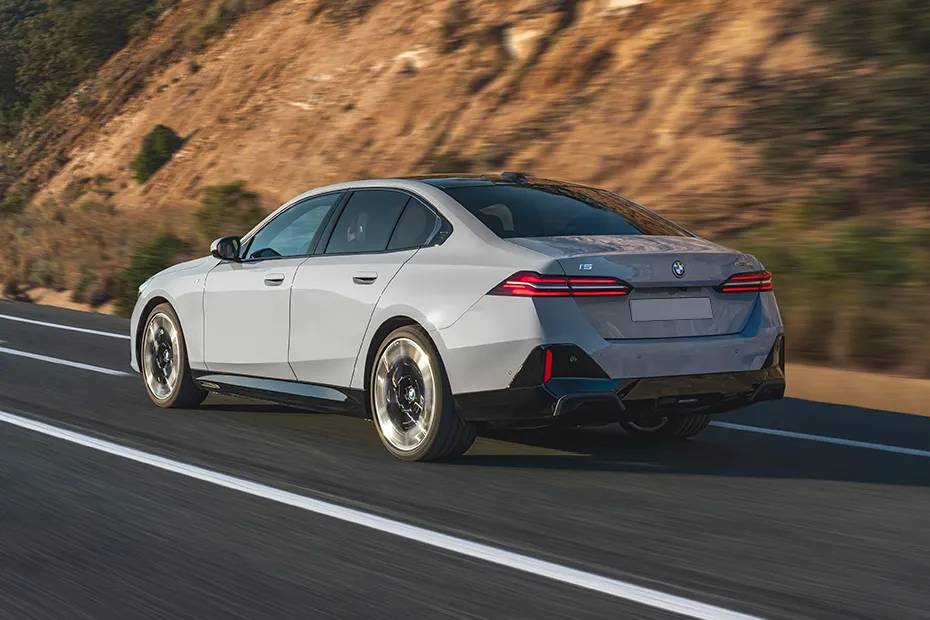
(436, 306)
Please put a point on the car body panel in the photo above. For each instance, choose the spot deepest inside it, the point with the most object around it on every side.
(332, 301)
(246, 309)
(182, 286)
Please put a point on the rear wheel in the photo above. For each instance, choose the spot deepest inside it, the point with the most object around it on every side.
(163, 359)
(411, 402)
(678, 427)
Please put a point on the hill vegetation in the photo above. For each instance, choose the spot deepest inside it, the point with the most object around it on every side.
(47, 48)
(158, 146)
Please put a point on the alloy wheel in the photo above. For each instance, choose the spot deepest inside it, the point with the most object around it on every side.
(404, 394)
(161, 364)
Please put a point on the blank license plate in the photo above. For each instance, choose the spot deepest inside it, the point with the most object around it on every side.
(671, 309)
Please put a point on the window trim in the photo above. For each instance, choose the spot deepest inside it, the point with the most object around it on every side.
(442, 224)
(312, 246)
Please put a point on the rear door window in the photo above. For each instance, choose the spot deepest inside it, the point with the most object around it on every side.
(416, 225)
(556, 210)
(367, 222)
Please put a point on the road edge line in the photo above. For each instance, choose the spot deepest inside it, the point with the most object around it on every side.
(524, 563)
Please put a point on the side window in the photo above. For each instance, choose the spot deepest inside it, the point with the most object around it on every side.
(292, 232)
(415, 226)
(367, 222)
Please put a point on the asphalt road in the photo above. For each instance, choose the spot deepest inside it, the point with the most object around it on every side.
(767, 525)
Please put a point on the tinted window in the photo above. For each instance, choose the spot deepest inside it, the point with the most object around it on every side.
(367, 222)
(415, 227)
(551, 210)
(291, 233)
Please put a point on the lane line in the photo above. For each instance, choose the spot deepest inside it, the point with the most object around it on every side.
(55, 360)
(852, 443)
(524, 563)
(67, 327)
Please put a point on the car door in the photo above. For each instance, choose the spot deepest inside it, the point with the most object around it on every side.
(246, 304)
(336, 290)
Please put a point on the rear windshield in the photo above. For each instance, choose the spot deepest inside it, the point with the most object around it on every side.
(543, 210)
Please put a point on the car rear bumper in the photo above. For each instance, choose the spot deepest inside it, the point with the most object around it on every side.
(600, 399)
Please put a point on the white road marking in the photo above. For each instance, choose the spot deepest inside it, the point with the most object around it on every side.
(55, 360)
(852, 443)
(67, 327)
(541, 568)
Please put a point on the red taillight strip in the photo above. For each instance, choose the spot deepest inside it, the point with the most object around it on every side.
(547, 366)
(752, 282)
(531, 284)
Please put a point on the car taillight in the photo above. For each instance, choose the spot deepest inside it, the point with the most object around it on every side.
(531, 284)
(752, 282)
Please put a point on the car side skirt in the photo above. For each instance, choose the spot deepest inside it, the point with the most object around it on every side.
(316, 397)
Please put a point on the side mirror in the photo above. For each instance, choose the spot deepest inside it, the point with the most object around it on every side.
(226, 248)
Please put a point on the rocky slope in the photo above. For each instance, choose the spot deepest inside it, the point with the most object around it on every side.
(631, 95)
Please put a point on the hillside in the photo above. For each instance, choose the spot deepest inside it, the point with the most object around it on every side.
(658, 99)
(630, 95)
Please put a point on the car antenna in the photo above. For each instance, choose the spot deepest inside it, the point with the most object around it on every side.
(515, 177)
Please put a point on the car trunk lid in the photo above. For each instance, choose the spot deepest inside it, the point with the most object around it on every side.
(675, 282)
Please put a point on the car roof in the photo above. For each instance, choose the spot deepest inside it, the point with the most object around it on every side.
(448, 181)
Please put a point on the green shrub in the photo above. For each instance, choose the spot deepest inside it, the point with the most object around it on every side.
(158, 146)
(219, 16)
(228, 209)
(45, 273)
(80, 290)
(161, 253)
(100, 293)
(9, 287)
(342, 11)
(15, 200)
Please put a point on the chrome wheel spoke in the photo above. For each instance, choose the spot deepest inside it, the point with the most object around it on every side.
(161, 356)
(404, 394)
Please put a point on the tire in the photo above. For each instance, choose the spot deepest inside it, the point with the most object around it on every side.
(411, 402)
(163, 362)
(678, 427)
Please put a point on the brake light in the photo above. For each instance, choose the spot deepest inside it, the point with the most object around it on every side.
(752, 282)
(531, 284)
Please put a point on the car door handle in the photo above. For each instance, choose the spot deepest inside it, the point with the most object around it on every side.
(274, 279)
(365, 277)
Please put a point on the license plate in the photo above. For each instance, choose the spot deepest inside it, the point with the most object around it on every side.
(683, 309)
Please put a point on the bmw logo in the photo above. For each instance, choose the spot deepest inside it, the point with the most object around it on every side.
(678, 268)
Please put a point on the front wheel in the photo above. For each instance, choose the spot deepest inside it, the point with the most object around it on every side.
(678, 427)
(411, 401)
(163, 358)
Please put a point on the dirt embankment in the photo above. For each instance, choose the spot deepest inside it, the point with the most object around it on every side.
(631, 95)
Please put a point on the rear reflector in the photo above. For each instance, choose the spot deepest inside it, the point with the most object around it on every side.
(547, 366)
(752, 282)
(531, 284)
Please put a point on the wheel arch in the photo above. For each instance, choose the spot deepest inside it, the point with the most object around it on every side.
(150, 305)
(395, 322)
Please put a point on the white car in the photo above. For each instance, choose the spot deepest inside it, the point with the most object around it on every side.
(438, 305)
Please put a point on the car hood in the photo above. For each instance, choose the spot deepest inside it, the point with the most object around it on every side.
(203, 264)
